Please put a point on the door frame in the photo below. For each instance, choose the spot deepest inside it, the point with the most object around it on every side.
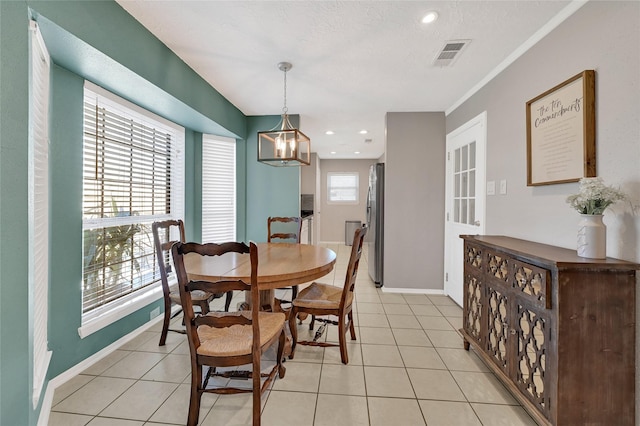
(450, 252)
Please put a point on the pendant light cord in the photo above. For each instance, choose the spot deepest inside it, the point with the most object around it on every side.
(284, 108)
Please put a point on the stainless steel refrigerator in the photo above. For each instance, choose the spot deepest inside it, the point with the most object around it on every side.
(375, 222)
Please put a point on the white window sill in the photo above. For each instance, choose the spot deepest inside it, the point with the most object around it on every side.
(118, 309)
(353, 203)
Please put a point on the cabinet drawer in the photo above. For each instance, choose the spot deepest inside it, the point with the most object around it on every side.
(532, 283)
(498, 268)
(473, 259)
(529, 281)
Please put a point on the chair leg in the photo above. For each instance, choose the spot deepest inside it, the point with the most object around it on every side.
(351, 327)
(312, 323)
(281, 343)
(294, 331)
(294, 292)
(165, 323)
(342, 337)
(227, 302)
(257, 392)
(196, 395)
(204, 307)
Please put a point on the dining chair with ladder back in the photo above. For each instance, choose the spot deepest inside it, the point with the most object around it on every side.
(226, 339)
(323, 299)
(162, 238)
(279, 231)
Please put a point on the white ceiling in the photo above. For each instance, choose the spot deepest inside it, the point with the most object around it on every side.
(353, 61)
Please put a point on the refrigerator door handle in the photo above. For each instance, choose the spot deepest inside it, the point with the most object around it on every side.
(369, 207)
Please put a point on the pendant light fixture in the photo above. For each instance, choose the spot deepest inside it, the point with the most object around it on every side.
(284, 145)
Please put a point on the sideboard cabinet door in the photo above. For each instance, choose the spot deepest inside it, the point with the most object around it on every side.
(473, 297)
(558, 330)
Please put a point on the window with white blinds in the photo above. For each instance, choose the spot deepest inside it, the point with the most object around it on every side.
(38, 194)
(218, 189)
(133, 175)
(342, 187)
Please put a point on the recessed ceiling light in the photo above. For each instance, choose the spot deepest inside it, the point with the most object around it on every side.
(363, 132)
(329, 132)
(356, 152)
(430, 17)
(333, 152)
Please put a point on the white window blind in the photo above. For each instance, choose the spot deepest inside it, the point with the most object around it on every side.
(342, 187)
(39, 205)
(133, 175)
(218, 189)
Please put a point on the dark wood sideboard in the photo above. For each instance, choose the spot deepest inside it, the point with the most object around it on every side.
(557, 329)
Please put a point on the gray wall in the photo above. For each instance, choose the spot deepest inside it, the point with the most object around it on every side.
(308, 176)
(335, 215)
(604, 36)
(309, 184)
(414, 200)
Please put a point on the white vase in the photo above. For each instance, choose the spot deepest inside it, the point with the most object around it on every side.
(592, 237)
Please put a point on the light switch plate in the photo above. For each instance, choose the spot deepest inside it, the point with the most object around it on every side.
(491, 187)
(503, 186)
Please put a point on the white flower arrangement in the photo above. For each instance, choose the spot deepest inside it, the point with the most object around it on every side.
(594, 196)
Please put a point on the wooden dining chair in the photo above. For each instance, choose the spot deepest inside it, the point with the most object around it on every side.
(221, 339)
(163, 242)
(275, 228)
(323, 299)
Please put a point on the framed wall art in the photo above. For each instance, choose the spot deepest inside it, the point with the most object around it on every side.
(561, 132)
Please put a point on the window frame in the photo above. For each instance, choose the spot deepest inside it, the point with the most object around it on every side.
(114, 310)
(356, 189)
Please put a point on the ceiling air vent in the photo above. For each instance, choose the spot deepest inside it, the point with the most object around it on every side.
(450, 52)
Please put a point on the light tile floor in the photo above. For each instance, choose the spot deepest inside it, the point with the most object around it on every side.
(407, 367)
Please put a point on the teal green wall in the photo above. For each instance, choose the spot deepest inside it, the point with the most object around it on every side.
(15, 342)
(271, 191)
(193, 186)
(241, 191)
(99, 41)
(65, 159)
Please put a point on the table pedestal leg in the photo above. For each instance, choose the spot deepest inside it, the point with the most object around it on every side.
(266, 298)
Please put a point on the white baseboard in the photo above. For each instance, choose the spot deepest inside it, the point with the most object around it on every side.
(412, 290)
(60, 379)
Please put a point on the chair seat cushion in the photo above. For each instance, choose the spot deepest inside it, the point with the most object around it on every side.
(237, 339)
(321, 296)
(196, 295)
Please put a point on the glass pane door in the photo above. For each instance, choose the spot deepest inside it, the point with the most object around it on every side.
(464, 194)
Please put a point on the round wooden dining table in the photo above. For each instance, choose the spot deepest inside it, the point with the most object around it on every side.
(279, 265)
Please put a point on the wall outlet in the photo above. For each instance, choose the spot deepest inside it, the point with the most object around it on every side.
(491, 187)
(503, 186)
(154, 313)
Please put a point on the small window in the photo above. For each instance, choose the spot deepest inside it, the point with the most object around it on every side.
(342, 187)
(218, 189)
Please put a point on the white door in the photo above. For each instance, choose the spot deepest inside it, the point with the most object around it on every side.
(465, 197)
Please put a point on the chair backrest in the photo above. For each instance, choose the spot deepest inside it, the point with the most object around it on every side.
(354, 262)
(192, 322)
(163, 242)
(273, 233)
